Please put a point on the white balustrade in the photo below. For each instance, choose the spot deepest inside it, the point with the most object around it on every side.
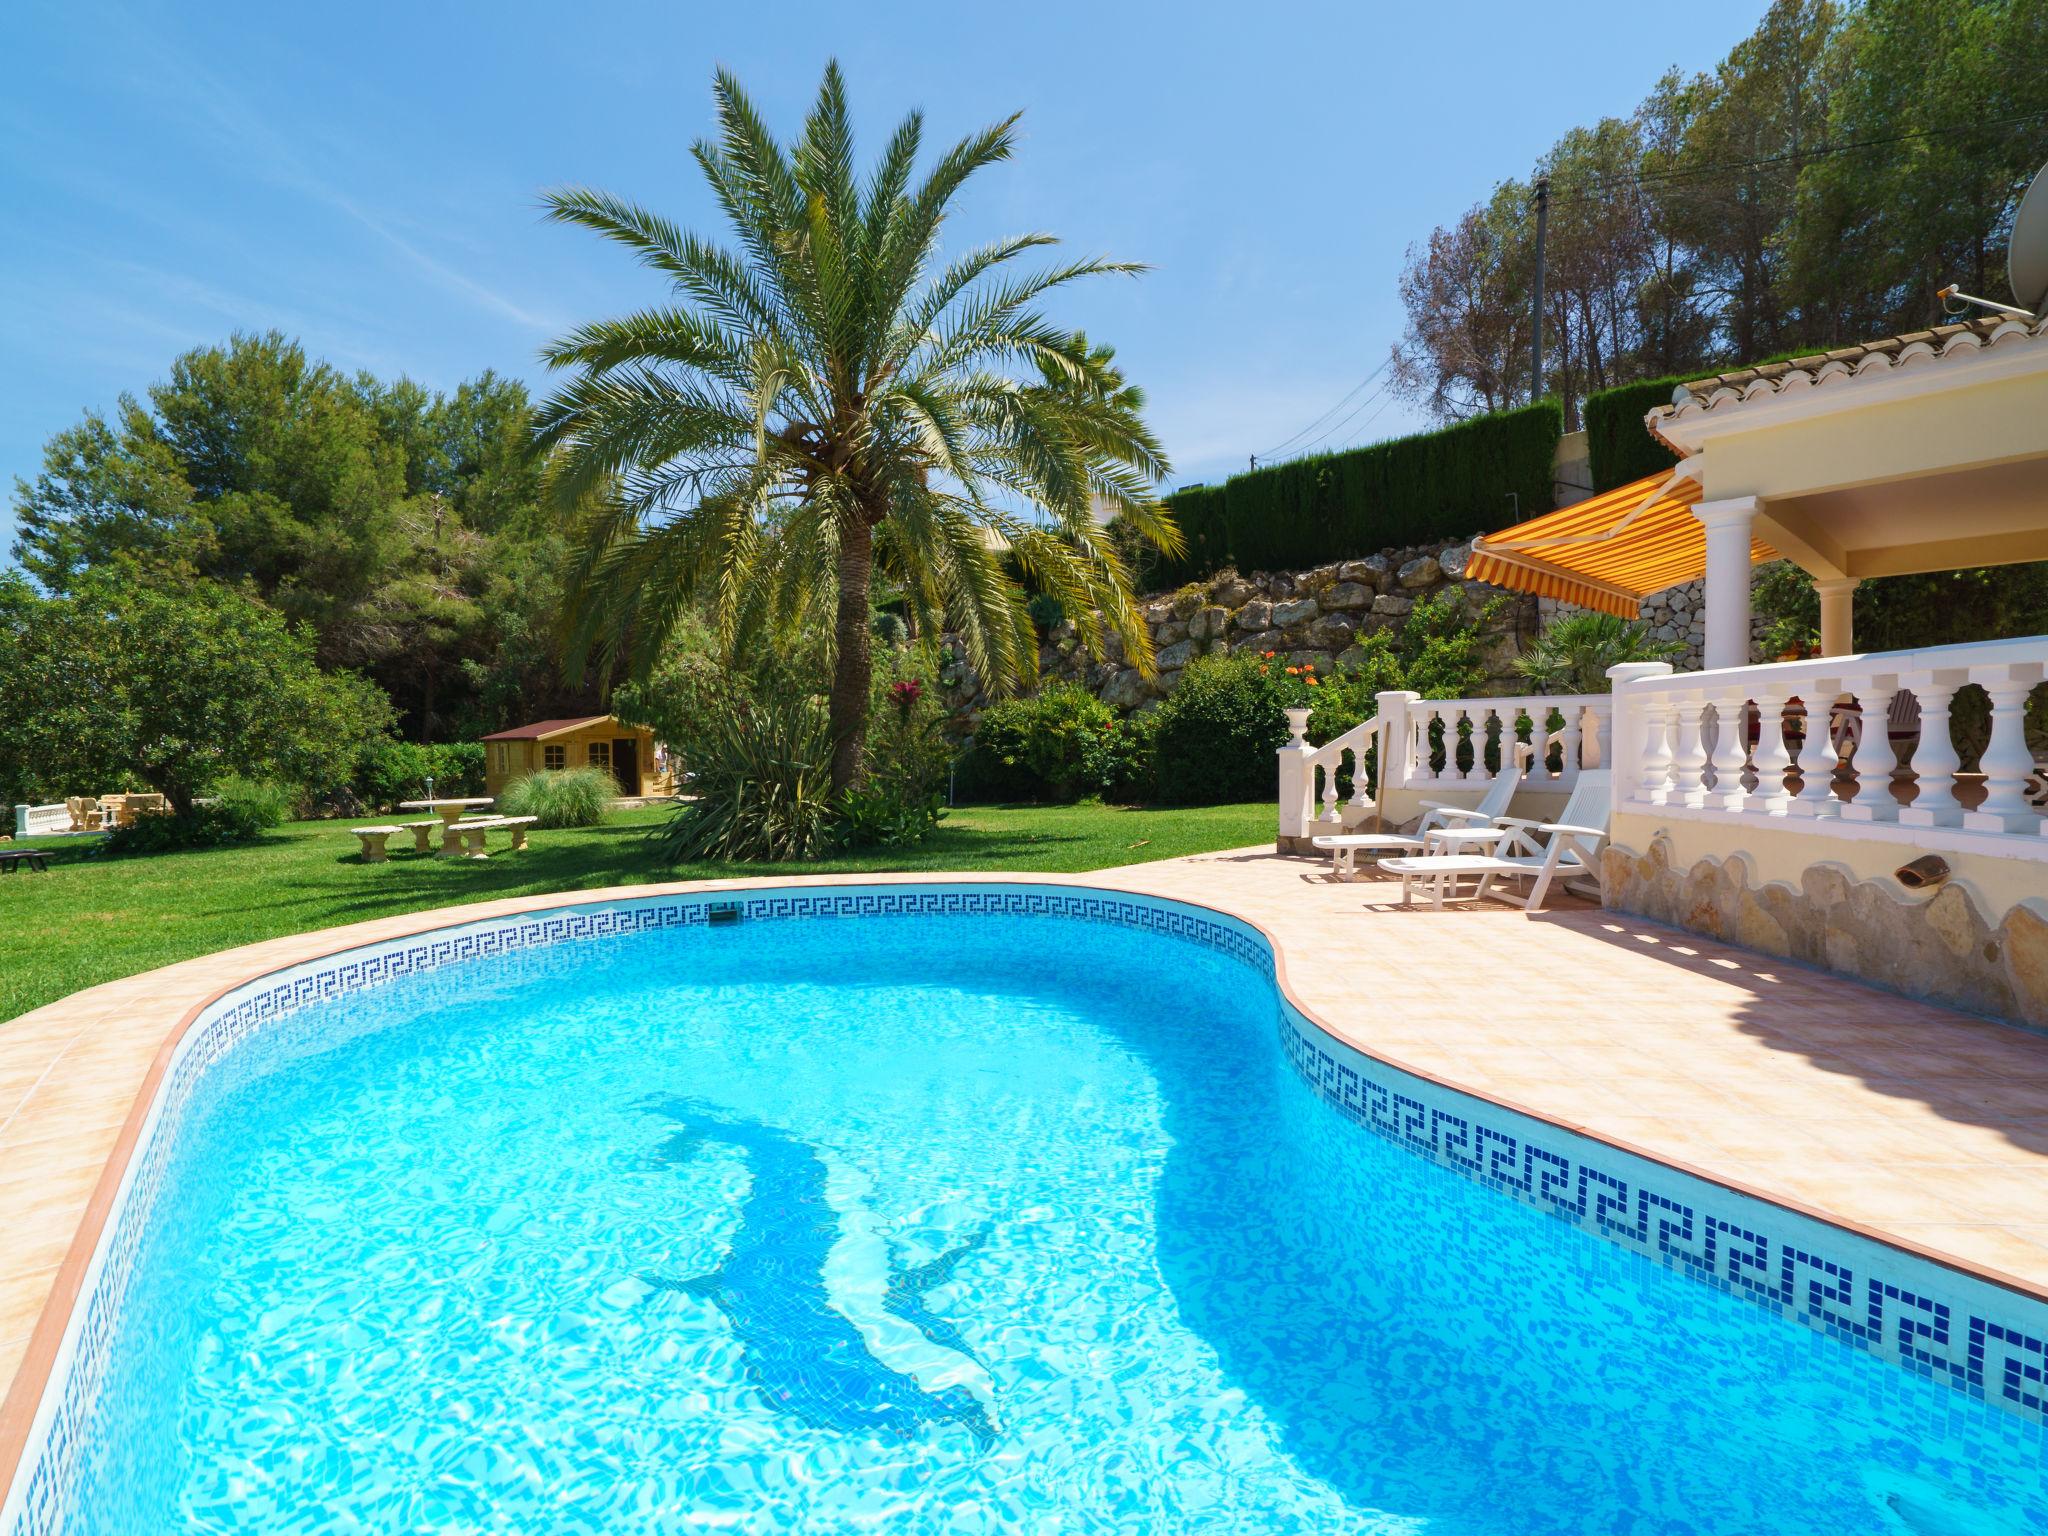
(1436, 745)
(38, 820)
(1308, 777)
(1476, 741)
(1868, 741)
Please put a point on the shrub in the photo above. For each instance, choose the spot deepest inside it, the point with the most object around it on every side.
(391, 771)
(1120, 761)
(1217, 732)
(762, 770)
(1040, 744)
(265, 803)
(217, 824)
(1046, 612)
(563, 797)
(887, 813)
(1573, 654)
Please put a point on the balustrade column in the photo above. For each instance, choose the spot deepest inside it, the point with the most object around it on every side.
(1935, 761)
(1568, 744)
(1872, 800)
(1773, 756)
(2007, 764)
(1817, 753)
(1454, 719)
(1687, 787)
(1539, 738)
(1731, 750)
(1482, 731)
(1656, 765)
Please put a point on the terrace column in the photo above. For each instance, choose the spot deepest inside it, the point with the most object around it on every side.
(1837, 614)
(1728, 540)
(1297, 785)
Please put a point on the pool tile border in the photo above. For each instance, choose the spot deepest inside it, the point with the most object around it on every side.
(1988, 1340)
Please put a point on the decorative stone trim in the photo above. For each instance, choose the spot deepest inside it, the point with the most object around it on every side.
(1940, 948)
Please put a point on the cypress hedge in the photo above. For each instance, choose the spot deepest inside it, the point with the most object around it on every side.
(1198, 511)
(1617, 443)
(1473, 477)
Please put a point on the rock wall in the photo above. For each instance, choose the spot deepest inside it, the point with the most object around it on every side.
(1938, 947)
(1318, 615)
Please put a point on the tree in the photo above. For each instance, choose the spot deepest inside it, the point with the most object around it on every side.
(831, 383)
(171, 685)
(397, 523)
(1947, 103)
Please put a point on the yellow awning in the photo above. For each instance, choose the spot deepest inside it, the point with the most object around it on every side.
(1608, 552)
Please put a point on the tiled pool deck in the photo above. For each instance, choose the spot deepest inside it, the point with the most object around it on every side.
(1920, 1125)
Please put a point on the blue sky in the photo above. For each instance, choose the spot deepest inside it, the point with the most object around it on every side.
(365, 176)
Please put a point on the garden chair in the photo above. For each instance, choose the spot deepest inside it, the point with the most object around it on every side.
(1546, 850)
(1436, 832)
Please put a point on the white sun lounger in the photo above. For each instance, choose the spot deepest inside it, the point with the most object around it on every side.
(1523, 848)
(1433, 834)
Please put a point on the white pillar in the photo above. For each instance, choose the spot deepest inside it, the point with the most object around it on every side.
(1297, 785)
(1641, 757)
(1728, 541)
(1837, 614)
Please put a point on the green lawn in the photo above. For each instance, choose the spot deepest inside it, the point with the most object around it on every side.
(95, 919)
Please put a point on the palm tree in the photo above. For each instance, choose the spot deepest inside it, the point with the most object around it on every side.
(829, 392)
(1573, 654)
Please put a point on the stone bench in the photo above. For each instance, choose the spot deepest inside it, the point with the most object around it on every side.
(422, 833)
(471, 833)
(373, 842)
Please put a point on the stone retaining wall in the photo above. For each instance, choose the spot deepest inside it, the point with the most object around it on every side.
(1316, 615)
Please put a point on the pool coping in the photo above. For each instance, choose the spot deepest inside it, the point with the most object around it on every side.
(187, 1000)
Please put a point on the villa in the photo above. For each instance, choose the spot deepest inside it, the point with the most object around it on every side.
(1426, 988)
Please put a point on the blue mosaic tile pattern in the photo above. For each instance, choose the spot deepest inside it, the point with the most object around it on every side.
(1939, 1323)
(1949, 1327)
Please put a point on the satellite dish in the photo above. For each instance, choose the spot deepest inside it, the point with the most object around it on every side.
(2026, 258)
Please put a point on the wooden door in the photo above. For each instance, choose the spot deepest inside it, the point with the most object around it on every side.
(626, 764)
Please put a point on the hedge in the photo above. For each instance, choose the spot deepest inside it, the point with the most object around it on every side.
(1199, 511)
(1474, 477)
(1618, 444)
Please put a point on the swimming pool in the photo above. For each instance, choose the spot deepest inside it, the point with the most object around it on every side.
(964, 1209)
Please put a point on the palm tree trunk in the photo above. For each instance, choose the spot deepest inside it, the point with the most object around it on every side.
(853, 661)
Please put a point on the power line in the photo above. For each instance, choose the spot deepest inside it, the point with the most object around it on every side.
(1338, 426)
(1333, 410)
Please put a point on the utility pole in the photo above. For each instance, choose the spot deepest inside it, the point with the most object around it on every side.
(1536, 297)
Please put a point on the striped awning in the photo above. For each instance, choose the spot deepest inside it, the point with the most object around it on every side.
(1608, 552)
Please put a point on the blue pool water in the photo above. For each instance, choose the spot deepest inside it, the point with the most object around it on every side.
(929, 1224)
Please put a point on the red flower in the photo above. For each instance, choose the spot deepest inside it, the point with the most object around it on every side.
(904, 695)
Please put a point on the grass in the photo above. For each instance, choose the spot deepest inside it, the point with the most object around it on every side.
(94, 919)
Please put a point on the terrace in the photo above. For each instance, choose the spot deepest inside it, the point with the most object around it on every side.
(1735, 814)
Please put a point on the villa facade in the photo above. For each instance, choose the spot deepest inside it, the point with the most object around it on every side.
(1889, 844)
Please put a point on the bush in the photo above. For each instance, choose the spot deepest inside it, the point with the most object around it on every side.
(562, 797)
(392, 771)
(1217, 732)
(887, 813)
(762, 770)
(1035, 747)
(217, 824)
(1618, 445)
(264, 803)
(1121, 759)
(1046, 612)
